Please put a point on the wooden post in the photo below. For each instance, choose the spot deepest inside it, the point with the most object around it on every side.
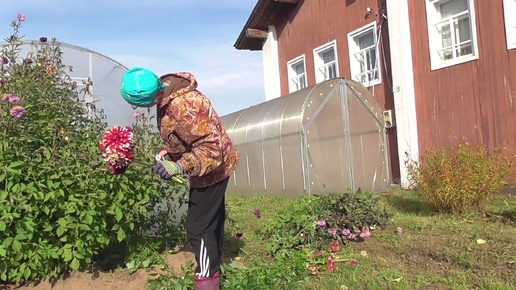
(256, 33)
(287, 1)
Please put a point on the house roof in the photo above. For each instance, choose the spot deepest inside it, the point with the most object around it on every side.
(263, 15)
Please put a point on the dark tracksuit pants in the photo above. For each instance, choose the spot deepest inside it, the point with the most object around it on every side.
(205, 226)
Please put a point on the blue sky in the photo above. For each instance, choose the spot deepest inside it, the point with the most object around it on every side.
(163, 36)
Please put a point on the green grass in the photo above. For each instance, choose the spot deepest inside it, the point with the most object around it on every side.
(436, 251)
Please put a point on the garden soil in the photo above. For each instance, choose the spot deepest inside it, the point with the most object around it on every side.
(117, 280)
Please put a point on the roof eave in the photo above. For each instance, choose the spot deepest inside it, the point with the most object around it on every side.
(263, 15)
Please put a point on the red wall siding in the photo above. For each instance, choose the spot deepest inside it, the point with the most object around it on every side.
(474, 101)
(313, 23)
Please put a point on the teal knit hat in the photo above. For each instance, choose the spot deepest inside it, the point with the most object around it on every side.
(140, 87)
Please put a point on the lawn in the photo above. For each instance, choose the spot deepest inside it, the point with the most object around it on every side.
(435, 250)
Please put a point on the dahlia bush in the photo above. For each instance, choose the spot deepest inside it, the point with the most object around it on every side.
(61, 208)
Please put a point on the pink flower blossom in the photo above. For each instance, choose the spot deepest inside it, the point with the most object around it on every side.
(332, 231)
(334, 247)
(5, 60)
(321, 223)
(346, 232)
(137, 115)
(331, 265)
(354, 263)
(21, 17)
(365, 235)
(116, 148)
(17, 112)
(258, 213)
(11, 99)
(399, 231)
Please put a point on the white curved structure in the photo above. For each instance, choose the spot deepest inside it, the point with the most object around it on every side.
(327, 138)
(104, 75)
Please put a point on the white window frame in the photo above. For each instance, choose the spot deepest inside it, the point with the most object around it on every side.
(509, 8)
(293, 78)
(354, 50)
(321, 68)
(435, 40)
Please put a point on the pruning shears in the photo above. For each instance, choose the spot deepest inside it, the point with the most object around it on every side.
(161, 155)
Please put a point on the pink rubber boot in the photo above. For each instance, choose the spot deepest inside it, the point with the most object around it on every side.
(210, 283)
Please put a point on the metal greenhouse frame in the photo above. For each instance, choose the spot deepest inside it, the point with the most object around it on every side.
(326, 138)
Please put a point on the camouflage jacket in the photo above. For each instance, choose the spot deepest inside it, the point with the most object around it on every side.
(193, 133)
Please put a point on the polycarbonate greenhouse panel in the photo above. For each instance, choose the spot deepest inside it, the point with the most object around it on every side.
(293, 171)
(367, 144)
(101, 75)
(327, 147)
(272, 156)
(326, 138)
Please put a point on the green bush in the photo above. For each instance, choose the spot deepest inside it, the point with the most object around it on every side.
(60, 207)
(320, 221)
(460, 179)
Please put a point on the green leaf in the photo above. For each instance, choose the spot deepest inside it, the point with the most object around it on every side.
(118, 214)
(74, 265)
(3, 194)
(62, 222)
(130, 265)
(16, 245)
(78, 255)
(67, 255)
(120, 234)
(8, 241)
(88, 219)
(26, 273)
(60, 231)
(3, 226)
(83, 227)
(16, 164)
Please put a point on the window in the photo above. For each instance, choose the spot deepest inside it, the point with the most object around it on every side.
(451, 32)
(510, 22)
(364, 61)
(325, 62)
(297, 74)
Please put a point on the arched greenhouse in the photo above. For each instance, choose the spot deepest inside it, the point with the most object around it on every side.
(326, 138)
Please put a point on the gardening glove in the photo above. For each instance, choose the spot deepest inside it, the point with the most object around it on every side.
(167, 169)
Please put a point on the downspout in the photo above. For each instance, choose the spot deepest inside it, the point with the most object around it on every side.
(403, 84)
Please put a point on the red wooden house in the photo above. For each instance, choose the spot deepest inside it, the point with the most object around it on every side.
(446, 69)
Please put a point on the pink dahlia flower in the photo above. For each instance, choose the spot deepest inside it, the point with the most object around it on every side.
(116, 148)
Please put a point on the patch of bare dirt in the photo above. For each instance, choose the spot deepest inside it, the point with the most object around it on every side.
(118, 280)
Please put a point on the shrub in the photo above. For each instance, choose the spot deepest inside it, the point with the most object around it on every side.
(460, 179)
(60, 207)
